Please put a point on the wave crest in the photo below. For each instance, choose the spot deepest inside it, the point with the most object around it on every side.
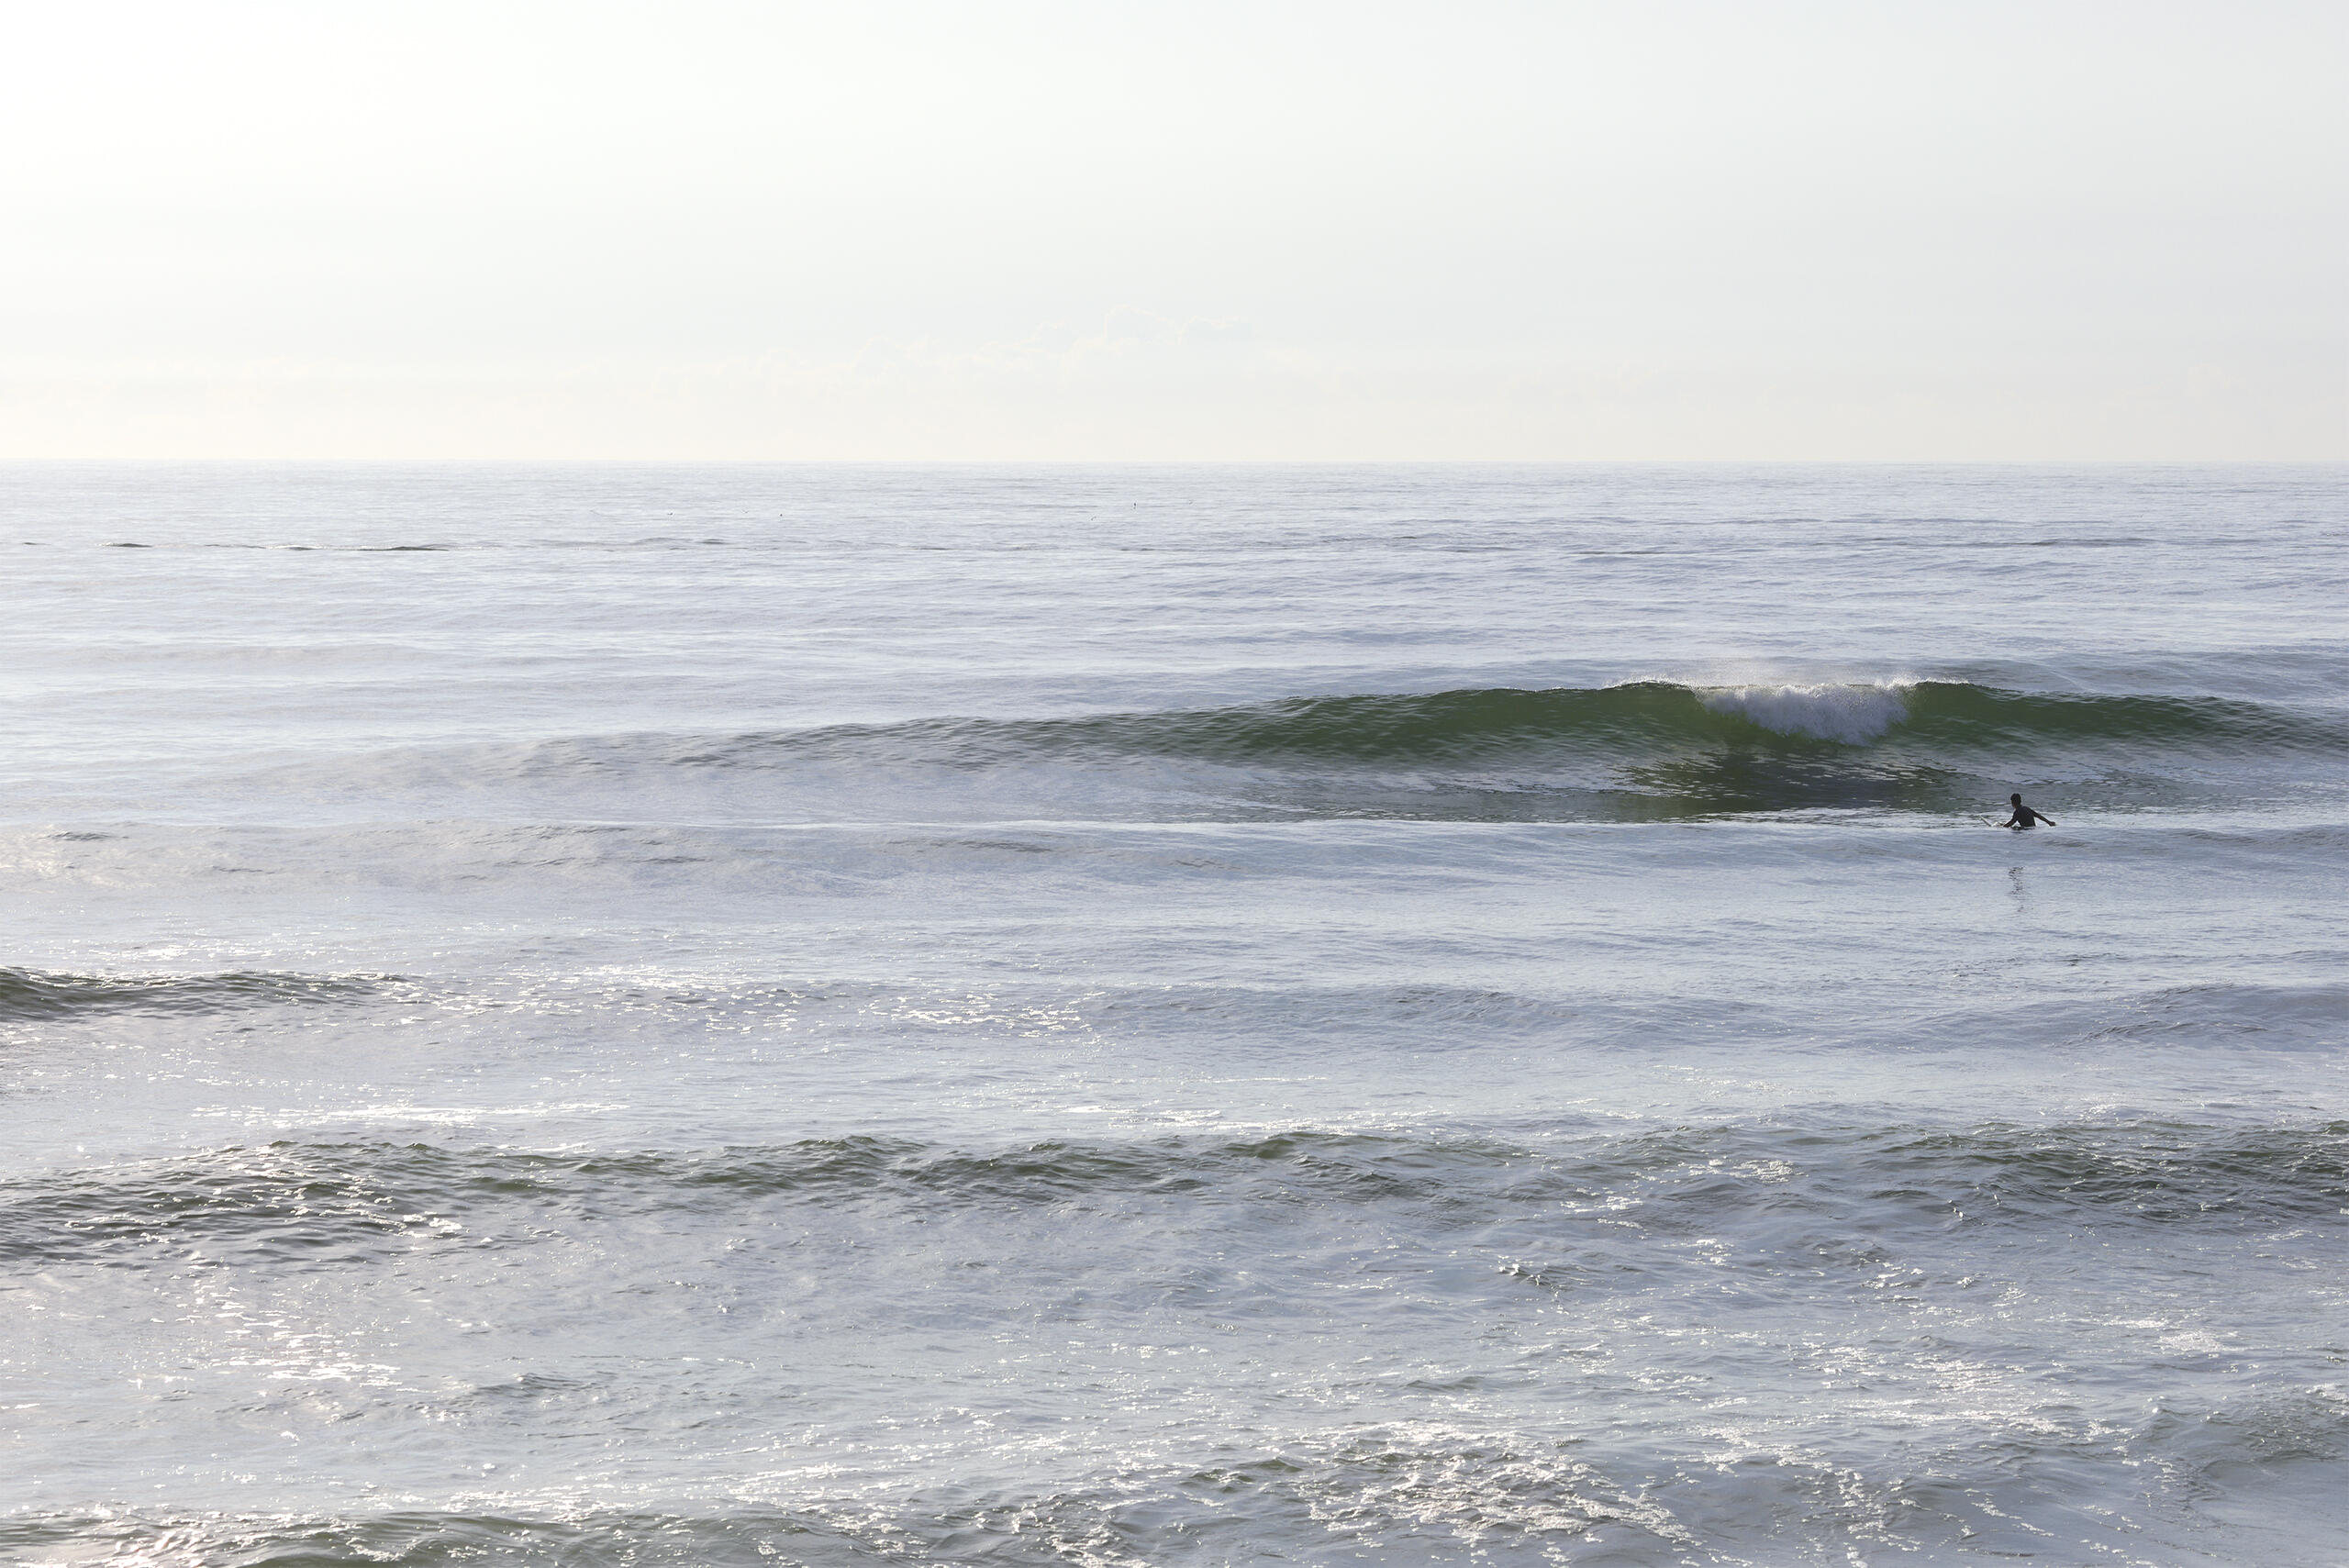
(1853, 715)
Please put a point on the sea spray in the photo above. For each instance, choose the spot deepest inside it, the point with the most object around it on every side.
(1852, 714)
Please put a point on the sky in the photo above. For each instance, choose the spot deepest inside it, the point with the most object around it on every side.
(1643, 230)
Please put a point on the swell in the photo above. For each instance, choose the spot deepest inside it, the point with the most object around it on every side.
(1505, 723)
(1650, 750)
(321, 1203)
(48, 995)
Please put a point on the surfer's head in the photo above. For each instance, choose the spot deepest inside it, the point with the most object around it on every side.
(2016, 798)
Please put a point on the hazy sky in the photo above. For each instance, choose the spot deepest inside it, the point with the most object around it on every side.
(1630, 230)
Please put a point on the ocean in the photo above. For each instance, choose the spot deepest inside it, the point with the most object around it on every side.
(1126, 1016)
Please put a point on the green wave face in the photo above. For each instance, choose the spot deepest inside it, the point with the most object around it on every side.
(1636, 751)
(1920, 721)
(1956, 714)
(1406, 730)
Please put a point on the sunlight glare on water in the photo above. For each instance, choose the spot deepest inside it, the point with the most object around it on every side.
(1173, 1016)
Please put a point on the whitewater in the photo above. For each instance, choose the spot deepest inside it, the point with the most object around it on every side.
(1118, 1015)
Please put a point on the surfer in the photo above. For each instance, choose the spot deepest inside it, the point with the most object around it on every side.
(2025, 816)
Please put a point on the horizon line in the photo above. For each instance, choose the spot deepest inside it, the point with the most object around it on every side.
(355, 461)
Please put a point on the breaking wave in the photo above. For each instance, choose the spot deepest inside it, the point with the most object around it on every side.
(1642, 751)
(317, 1203)
(1498, 724)
(1853, 715)
(1423, 1491)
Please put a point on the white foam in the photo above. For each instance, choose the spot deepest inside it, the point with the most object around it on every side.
(1854, 714)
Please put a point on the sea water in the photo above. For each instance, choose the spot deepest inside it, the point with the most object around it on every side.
(1182, 1016)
